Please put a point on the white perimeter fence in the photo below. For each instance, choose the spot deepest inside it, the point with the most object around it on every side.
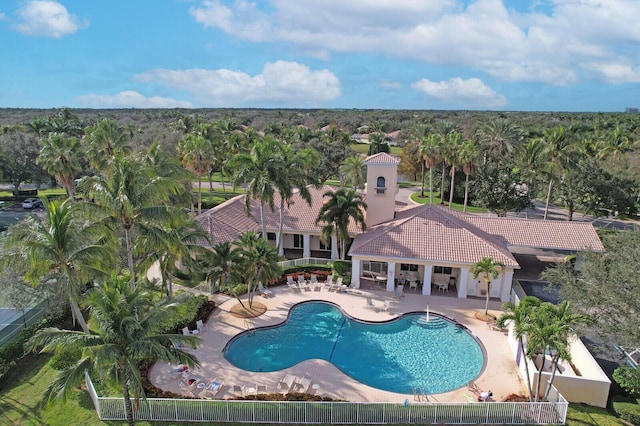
(328, 412)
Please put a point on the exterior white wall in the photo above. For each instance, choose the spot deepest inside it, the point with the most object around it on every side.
(463, 283)
(381, 206)
(426, 279)
(356, 267)
(391, 273)
(507, 282)
(306, 243)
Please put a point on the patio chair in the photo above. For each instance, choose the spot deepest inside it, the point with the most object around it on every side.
(287, 382)
(313, 282)
(261, 389)
(413, 285)
(186, 331)
(292, 284)
(265, 292)
(201, 326)
(385, 306)
(370, 304)
(336, 285)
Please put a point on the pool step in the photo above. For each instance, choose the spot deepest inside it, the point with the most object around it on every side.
(434, 322)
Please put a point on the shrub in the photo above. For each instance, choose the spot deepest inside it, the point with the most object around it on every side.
(629, 380)
(342, 268)
(184, 314)
(65, 358)
(628, 409)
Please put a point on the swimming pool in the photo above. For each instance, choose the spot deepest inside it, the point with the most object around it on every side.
(409, 352)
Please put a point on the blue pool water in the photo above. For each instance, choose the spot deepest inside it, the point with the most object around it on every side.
(437, 356)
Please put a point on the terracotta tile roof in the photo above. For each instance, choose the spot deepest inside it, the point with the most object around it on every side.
(431, 233)
(548, 234)
(382, 158)
(229, 219)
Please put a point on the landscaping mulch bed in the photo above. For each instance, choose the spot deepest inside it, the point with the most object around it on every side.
(486, 318)
(255, 311)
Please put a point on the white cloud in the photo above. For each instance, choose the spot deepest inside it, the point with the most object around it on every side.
(46, 18)
(471, 93)
(129, 99)
(616, 73)
(548, 44)
(280, 83)
(389, 85)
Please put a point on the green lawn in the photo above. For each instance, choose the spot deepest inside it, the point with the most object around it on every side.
(20, 405)
(363, 148)
(436, 200)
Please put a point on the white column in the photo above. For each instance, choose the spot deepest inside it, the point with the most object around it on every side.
(391, 274)
(355, 273)
(426, 280)
(463, 283)
(334, 247)
(507, 281)
(306, 245)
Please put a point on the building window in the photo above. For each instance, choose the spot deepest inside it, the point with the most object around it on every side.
(298, 241)
(380, 185)
(375, 267)
(442, 270)
(271, 236)
(408, 267)
(324, 246)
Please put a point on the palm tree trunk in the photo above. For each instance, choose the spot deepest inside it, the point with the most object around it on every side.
(486, 305)
(279, 244)
(444, 169)
(77, 314)
(430, 185)
(546, 207)
(264, 224)
(199, 194)
(453, 177)
(554, 363)
(127, 402)
(211, 184)
(466, 192)
(127, 237)
(526, 369)
(540, 378)
(422, 192)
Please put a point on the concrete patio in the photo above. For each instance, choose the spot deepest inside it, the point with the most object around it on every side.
(500, 373)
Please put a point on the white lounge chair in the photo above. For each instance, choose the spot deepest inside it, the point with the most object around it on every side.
(336, 285)
(313, 282)
(385, 306)
(201, 326)
(329, 282)
(292, 284)
(370, 304)
(238, 390)
(287, 382)
(261, 389)
(213, 388)
(302, 283)
(304, 384)
(186, 331)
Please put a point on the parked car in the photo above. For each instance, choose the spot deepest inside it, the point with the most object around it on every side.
(32, 203)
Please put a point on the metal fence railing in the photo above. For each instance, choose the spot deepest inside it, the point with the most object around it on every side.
(329, 412)
(26, 318)
(304, 261)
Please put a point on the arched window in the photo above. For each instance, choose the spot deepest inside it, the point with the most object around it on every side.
(380, 182)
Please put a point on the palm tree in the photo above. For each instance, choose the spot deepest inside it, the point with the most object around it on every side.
(59, 156)
(615, 144)
(258, 261)
(223, 262)
(354, 171)
(63, 246)
(468, 156)
(133, 200)
(559, 152)
(498, 136)
(443, 129)
(549, 331)
(529, 159)
(489, 270)
(520, 316)
(340, 209)
(196, 154)
(259, 169)
(125, 331)
(431, 152)
(378, 143)
(454, 144)
(105, 140)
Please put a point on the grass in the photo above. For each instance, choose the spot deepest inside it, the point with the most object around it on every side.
(363, 148)
(436, 200)
(20, 404)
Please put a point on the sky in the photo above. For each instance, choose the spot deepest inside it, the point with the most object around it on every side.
(505, 55)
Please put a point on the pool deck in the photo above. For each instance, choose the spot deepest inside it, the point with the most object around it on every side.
(500, 374)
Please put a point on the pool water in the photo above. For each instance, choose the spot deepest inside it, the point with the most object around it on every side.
(410, 352)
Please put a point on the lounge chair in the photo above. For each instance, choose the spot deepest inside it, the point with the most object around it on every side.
(265, 292)
(292, 284)
(238, 390)
(261, 389)
(336, 285)
(186, 331)
(385, 306)
(213, 388)
(329, 282)
(201, 326)
(304, 384)
(302, 283)
(313, 282)
(287, 382)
